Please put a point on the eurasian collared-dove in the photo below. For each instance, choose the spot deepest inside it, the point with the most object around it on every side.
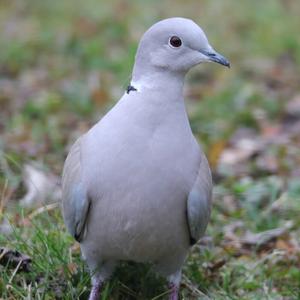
(137, 186)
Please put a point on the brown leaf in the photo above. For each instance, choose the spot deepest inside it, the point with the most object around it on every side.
(97, 85)
(241, 151)
(72, 267)
(215, 152)
(250, 240)
(213, 267)
(243, 145)
(75, 248)
(262, 238)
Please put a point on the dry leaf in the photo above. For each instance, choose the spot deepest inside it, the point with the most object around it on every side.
(41, 187)
(262, 238)
(293, 106)
(72, 267)
(252, 240)
(241, 151)
(215, 152)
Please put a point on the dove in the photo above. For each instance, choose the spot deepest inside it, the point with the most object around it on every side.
(137, 186)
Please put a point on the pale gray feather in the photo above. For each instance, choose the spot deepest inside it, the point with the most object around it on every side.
(199, 201)
(75, 200)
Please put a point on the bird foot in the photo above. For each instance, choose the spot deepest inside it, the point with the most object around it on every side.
(96, 290)
(173, 291)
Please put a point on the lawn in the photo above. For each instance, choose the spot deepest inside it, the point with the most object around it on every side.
(63, 64)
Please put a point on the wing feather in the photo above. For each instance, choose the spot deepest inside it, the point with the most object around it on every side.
(75, 201)
(199, 202)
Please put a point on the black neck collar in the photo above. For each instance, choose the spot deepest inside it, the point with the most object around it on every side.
(130, 88)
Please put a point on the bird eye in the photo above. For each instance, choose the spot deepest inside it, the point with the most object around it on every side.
(175, 41)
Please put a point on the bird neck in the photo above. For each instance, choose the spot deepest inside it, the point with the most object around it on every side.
(162, 80)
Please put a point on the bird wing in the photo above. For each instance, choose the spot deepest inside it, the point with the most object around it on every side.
(199, 202)
(75, 201)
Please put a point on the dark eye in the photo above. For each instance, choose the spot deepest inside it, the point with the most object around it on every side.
(175, 41)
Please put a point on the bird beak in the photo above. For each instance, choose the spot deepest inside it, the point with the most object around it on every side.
(214, 56)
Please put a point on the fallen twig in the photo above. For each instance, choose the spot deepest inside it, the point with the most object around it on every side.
(42, 209)
(189, 285)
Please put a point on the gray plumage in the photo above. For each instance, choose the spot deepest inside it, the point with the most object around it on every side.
(137, 186)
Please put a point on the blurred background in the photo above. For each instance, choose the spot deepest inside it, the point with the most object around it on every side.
(63, 64)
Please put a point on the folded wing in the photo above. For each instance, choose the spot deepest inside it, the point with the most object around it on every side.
(75, 199)
(199, 202)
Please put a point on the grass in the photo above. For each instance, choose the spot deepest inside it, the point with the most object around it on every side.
(63, 64)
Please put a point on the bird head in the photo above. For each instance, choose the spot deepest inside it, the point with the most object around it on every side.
(176, 45)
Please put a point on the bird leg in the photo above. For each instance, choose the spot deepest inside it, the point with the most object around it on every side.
(173, 291)
(96, 289)
(100, 273)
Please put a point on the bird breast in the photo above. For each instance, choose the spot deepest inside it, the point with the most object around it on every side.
(138, 181)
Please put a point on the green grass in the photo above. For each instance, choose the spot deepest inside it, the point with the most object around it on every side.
(63, 64)
(58, 272)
